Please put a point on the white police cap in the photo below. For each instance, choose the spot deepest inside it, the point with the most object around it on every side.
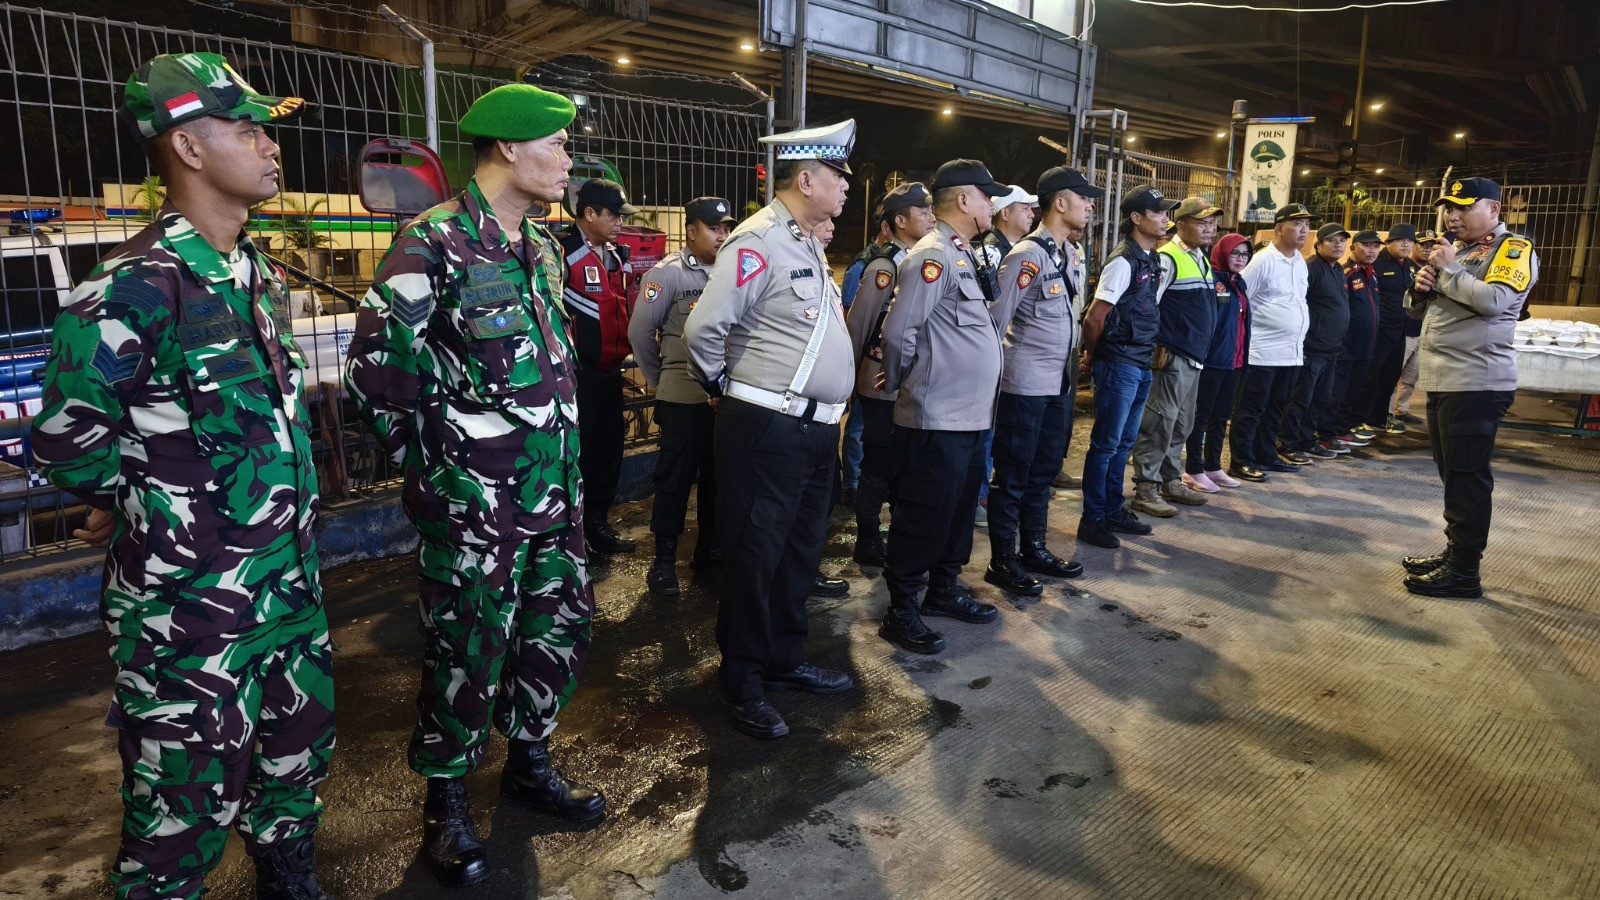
(831, 144)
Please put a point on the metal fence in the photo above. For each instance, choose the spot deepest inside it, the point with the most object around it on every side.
(61, 79)
(1552, 215)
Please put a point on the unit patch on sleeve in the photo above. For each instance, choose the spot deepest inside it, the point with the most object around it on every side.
(1026, 271)
(931, 271)
(885, 277)
(652, 292)
(751, 264)
(1512, 265)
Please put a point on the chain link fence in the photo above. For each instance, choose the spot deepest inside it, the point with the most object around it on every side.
(77, 185)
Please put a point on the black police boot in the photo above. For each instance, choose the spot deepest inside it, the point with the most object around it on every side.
(946, 598)
(869, 547)
(288, 871)
(902, 625)
(707, 555)
(662, 578)
(1007, 575)
(1036, 557)
(605, 540)
(755, 717)
(1456, 578)
(530, 780)
(1422, 565)
(450, 846)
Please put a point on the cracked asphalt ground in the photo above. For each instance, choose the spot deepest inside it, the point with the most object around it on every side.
(1246, 703)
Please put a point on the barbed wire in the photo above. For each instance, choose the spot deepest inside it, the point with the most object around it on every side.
(517, 53)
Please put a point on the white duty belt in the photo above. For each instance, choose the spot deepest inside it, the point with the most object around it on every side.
(790, 403)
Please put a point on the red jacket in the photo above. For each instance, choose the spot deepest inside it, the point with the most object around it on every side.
(598, 294)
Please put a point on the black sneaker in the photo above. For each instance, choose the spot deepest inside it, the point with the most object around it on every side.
(1320, 451)
(1334, 447)
(1097, 533)
(831, 588)
(1125, 521)
(1279, 467)
(1409, 419)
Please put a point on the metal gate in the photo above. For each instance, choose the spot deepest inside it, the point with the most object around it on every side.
(61, 79)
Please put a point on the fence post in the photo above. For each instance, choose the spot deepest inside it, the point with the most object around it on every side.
(430, 76)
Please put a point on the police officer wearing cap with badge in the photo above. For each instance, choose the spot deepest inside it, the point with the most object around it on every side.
(1033, 418)
(1474, 290)
(462, 363)
(172, 408)
(598, 290)
(941, 351)
(769, 343)
(909, 209)
(683, 416)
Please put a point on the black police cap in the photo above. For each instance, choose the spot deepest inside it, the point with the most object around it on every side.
(1063, 178)
(962, 172)
(1467, 191)
(710, 210)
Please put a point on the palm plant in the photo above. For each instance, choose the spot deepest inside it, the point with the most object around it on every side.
(154, 194)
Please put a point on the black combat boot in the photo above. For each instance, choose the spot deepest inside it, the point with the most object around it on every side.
(903, 625)
(530, 780)
(450, 846)
(707, 555)
(947, 596)
(607, 541)
(662, 579)
(288, 871)
(1006, 574)
(1422, 565)
(869, 547)
(1036, 557)
(1458, 577)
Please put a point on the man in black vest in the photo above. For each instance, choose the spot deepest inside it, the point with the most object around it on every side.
(1119, 339)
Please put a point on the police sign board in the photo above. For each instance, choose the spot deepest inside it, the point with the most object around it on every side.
(1267, 166)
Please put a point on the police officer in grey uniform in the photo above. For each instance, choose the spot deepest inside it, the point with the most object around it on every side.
(768, 342)
(1474, 290)
(909, 210)
(683, 416)
(942, 353)
(1033, 313)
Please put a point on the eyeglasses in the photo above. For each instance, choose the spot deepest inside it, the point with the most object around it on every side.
(1242, 254)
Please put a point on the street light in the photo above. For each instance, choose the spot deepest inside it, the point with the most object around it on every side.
(1461, 135)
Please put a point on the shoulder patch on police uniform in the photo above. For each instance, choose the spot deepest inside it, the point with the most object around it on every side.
(750, 264)
(1025, 273)
(884, 279)
(1512, 265)
(652, 292)
(931, 271)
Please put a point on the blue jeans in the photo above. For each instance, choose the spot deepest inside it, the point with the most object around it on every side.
(1120, 390)
(850, 456)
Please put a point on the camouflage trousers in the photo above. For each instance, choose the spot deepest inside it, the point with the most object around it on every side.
(507, 631)
(231, 729)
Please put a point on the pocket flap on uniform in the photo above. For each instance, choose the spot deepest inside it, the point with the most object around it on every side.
(1470, 428)
(173, 721)
(218, 366)
(970, 288)
(486, 324)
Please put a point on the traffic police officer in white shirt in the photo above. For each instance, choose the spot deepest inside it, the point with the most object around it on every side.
(768, 342)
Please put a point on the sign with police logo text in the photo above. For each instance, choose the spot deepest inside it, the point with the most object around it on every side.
(1266, 169)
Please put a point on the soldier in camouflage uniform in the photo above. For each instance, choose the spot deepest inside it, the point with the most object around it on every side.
(462, 362)
(172, 408)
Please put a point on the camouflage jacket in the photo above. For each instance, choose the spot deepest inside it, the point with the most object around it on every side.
(462, 362)
(172, 399)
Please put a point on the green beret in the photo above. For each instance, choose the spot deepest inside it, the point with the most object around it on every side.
(518, 112)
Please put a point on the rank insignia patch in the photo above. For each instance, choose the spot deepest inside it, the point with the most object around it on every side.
(883, 280)
(1055, 288)
(811, 313)
(931, 271)
(751, 264)
(652, 292)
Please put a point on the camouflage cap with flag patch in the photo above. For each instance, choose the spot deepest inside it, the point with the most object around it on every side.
(174, 88)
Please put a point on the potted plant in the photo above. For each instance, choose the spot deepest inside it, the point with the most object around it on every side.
(312, 248)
